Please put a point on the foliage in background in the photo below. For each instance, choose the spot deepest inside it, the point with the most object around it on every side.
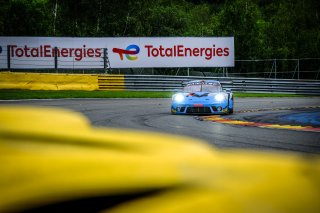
(262, 28)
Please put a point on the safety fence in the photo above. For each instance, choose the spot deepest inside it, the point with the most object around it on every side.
(299, 68)
(255, 85)
(304, 68)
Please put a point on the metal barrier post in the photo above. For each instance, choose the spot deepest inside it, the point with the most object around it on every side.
(275, 68)
(298, 69)
(56, 59)
(106, 62)
(8, 57)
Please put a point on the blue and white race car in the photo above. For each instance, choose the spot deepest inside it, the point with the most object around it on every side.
(202, 97)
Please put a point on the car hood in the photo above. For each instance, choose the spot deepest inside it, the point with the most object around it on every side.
(199, 94)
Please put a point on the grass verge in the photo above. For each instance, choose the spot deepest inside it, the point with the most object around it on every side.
(43, 94)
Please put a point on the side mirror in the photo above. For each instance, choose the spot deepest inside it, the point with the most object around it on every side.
(228, 90)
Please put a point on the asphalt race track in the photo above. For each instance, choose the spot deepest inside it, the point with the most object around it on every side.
(154, 115)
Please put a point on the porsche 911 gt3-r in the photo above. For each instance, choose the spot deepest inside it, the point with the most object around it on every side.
(202, 97)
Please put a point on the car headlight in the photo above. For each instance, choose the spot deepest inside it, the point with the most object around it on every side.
(219, 97)
(178, 98)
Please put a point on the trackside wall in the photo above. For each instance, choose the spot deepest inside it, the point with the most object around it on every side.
(37, 81)
(119, 82)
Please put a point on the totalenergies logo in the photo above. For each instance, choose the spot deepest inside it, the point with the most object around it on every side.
(128, 52)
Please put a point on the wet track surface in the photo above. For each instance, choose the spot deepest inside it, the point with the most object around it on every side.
(154, 115)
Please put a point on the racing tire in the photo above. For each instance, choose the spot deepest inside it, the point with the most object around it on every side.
(230, 111)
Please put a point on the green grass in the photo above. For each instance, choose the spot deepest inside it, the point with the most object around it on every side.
(43, 94)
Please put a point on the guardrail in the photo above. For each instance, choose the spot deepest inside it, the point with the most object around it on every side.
(256, 85)
(39, 81)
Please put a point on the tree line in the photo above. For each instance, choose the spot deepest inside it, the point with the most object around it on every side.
(262, 28)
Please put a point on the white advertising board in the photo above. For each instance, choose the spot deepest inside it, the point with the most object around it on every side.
(124, 52)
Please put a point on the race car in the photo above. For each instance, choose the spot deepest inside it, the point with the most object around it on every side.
(202, 97)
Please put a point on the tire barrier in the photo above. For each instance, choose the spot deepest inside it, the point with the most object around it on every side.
(111, 82)
(41, 81)
(52, 160)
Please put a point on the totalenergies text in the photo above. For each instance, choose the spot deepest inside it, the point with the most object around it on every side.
(181, 51)
(49, 51)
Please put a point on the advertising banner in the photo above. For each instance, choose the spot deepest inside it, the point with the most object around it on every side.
(122, 52)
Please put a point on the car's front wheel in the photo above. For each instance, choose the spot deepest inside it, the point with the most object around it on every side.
(230, 110)
(173, 112)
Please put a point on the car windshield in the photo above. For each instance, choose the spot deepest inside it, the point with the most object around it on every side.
(202, 87)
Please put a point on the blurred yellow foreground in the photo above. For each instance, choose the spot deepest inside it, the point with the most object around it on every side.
(52, 159)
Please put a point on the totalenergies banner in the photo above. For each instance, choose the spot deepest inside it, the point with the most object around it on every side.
(125, 52)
